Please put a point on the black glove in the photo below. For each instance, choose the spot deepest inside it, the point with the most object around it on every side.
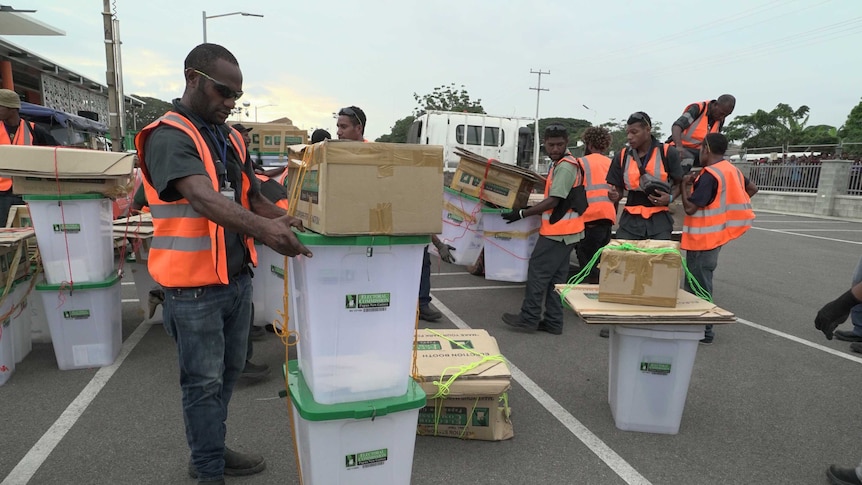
(445, 252)
(512, 216)
(834, 313)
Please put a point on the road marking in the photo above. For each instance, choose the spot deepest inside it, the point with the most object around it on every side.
(127, 283)
(784, 221)
(450, 274)
(130, 300)
(808, 235)
(593, 442)
(812, 230)
(27, 467)
(461, 288)
(794, 338)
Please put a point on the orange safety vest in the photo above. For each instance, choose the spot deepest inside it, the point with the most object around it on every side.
(572, 222)
(188, 250)
(280, 203)
(692, 137)
(726, 218)
(632, 176)
(596, 168)
(24, 136)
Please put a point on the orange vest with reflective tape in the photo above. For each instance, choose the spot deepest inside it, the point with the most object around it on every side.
(693, 136)
(596, 168)
(188, 250)
(23, 136)
(726, 218)
(572, 222)
(632, 176)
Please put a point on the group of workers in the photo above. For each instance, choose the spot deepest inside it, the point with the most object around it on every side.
(650, 174)
(208, 204)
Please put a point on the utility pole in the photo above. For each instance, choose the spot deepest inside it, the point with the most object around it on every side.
(538, 90)
(113, 77)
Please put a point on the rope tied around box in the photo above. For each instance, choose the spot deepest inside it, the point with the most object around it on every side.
(443, 386)
(696, 287)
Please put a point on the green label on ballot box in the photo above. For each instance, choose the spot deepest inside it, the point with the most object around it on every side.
(76, 314)
(67, 228)
(655, 368)
(366, 459)
(367, 302)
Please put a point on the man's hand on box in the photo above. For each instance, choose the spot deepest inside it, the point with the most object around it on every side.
(282, 239)
(513, 216)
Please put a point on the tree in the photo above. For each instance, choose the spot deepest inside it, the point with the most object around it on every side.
(574, 126)
(139, 118)
(398, 133)
(447, 98)
(851, 132)
(781, 126)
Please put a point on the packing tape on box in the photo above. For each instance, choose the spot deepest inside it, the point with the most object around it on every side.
(356, 153)
(380, 218)
(638, 267)
(458, 212)
(507, 235)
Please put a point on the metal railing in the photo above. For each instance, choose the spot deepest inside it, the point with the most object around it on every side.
(855, 185)
(801, 178)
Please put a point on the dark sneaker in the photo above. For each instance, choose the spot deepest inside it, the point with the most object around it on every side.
(842, 476)
(236, 464)
(543, 327)
(847, 336)
(257, 333)
(706, 341)
(605, 332)
(429, 314)
(254, 371)
(211, 482)
(514, 320)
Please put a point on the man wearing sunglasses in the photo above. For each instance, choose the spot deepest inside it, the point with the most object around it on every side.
(207, 206)
(697, 121)
(351, 124)
(549, 262)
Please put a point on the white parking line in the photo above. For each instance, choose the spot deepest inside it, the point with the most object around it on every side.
(805, 229)
(793, 338)
(596, 445)
(461, 288)
(808, 235)
(27, 467)
(459, 273)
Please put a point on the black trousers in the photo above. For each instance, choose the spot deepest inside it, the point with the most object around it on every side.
(596, 235)
(7, 200)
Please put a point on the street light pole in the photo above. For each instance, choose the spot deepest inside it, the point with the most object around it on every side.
(264, 106)
(204, 16)
(538, 90)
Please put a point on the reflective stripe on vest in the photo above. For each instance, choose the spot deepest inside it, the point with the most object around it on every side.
(632, 175)
(726, 218)
(596, 168)
(24, 137)
(188, 250)
(692, 137)
(572, 222)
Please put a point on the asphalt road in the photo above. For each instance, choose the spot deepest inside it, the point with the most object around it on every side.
(769, 402)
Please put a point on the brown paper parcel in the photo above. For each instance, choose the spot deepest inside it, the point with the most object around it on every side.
(505, 185)
(640, 278)
(372, 188)
(476, 406)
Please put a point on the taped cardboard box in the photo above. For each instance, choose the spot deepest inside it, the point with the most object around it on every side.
(639, 277)
(354, 188)
(49, 170)
(505, 185)
(476, 406)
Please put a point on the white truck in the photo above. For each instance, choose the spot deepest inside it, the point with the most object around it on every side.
(505, 138)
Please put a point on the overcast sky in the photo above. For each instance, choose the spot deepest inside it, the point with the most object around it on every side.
(615, 56)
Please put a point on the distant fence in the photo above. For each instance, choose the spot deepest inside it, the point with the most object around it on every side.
(786, 177)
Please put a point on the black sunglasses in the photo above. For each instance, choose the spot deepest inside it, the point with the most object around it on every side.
(350, 112)
(637, 115)
(556, 130)
(221, 88)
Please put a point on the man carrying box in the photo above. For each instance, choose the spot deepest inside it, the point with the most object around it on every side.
(549, 263)
(15, 131)
(717, 204)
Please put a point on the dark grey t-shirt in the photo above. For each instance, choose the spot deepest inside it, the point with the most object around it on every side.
(171, 155)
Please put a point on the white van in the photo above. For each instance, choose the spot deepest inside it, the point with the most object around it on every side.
(507, 139)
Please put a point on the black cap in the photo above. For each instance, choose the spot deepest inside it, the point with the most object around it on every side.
(240, 128)
(319, 135)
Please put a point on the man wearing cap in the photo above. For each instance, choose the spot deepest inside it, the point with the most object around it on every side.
(243, 130)
(16, 131)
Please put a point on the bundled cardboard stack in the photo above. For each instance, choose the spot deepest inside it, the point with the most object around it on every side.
(469, 405)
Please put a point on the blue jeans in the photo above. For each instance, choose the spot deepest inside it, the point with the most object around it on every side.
(425, 281)
(210, 327)
(702, 264)
(856, 311)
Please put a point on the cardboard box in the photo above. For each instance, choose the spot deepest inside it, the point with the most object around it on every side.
(506, 185)
(640, 278)
(372, 188)
(7, 262)
(476, 406)
(37, 170)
